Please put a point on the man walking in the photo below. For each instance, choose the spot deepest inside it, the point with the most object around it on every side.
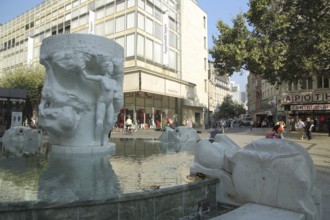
(300, 128)
(308, 128)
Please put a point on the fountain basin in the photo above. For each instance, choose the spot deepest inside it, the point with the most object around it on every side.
(165, 203)
(137, 165)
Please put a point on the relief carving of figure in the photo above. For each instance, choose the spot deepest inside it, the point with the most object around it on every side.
(83, 90)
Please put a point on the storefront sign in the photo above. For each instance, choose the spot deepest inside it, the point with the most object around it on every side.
(165, 40)
(16, 119)
(307, 97)
(310, 107)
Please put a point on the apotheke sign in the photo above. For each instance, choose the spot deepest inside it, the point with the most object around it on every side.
(307, 97)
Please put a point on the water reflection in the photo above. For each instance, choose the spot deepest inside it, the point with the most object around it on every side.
(138, 165)
(19, 176)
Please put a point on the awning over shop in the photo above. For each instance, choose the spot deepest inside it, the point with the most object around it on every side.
(268, 113)
(12, 93)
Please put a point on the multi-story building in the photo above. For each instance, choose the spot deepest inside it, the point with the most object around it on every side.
(236, 92)
(218, 88)
(288, 102)
(309, 98)
(165, 49)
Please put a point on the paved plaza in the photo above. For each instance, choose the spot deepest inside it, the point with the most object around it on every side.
(318, 147)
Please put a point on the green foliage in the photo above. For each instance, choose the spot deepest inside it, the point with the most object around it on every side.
(229, 108)
(289, 40)
(30, 78)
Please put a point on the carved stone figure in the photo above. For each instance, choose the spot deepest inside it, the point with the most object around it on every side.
(20, 140)
(181, 138)
(83, 90)
(277, 173)
(82, 94)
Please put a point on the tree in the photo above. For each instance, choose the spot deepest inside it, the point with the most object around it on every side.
(289, 41)
(229, 108)
(30, 78)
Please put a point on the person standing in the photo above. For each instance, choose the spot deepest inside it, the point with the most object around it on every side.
(328, 125)
(280, 130)
(315, 123)
(308, 128)
(129, 124)
(300, 128)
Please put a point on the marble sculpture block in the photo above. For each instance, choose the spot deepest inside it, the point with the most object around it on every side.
(83, 89)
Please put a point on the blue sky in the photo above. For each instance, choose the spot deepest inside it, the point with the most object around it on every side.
(215, 9)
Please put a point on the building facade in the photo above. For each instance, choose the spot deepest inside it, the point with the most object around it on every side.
(165, 49)
(218, 88)
(288, 102)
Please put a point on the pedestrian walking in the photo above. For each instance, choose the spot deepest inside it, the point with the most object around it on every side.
(308, 128)
(300, 125)
(280, 130)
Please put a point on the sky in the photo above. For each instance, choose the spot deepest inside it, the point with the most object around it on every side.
(224, 10)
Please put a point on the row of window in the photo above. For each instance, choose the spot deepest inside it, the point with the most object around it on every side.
(103, 7)
(321, 83)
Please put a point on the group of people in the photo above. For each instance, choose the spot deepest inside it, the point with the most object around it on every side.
(304, 127)
(278, 130)
(301, 127)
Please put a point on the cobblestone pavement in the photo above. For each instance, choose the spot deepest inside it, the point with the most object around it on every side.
(318, 147)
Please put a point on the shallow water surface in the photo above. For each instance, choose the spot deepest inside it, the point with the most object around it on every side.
(139, 165)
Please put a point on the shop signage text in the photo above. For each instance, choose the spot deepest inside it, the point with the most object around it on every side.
(310, 107)
(307, 97)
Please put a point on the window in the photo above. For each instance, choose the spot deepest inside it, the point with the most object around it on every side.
(158, 31)
(204, 21)
(172, 56)
(149, 8)
(120, 24)
(295, 86)
(100, 13)
(109, 27)
(130, 45)
(141, 3)
(322, 82)
(307, 83)
(110, 9)
(121, 41)
(130, 3)
(172, 39)
(141, 21)
(157, 53)
(149, 26)
(158, 14)
(205, 43)
(140, 45)
(120, 5)
(99, 29)
(130, 20)
(149, 49)
(172, 24)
